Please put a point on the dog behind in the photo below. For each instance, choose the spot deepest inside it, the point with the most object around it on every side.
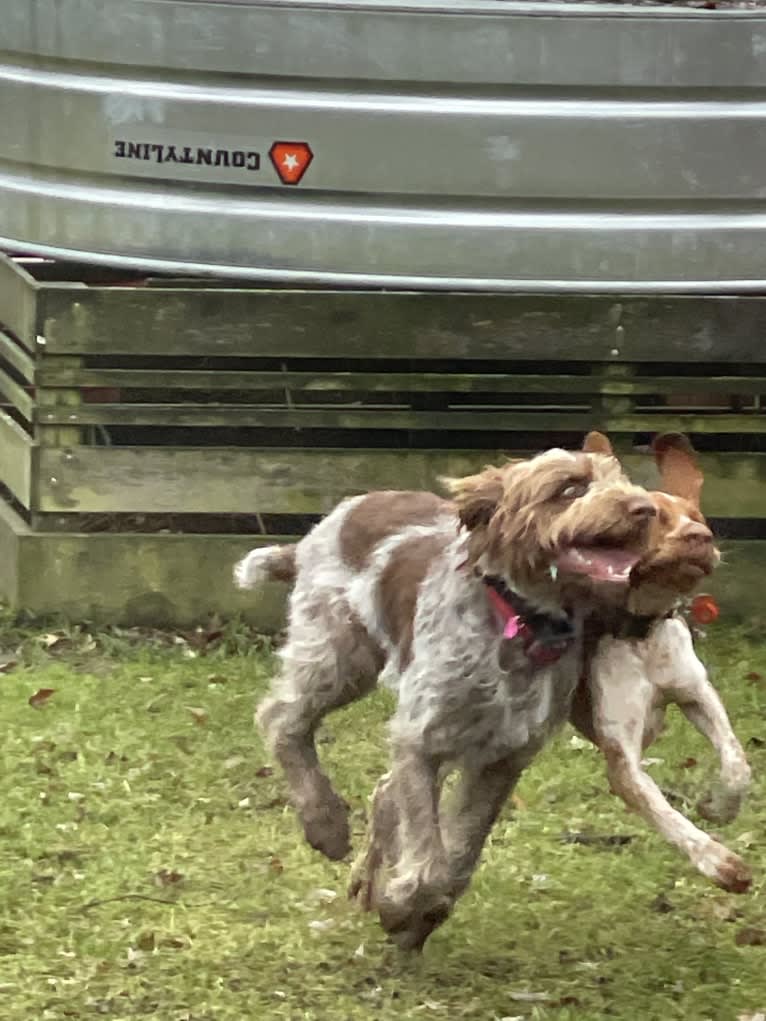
(645, 659)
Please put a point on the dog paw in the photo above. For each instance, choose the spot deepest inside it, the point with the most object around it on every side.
(720, 807)
(725, 868)
(409, 926)
(326, 829)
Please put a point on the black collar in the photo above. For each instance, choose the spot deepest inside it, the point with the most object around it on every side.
(545, 636)
(632, 626)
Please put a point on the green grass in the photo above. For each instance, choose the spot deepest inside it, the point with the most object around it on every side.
(151, 869)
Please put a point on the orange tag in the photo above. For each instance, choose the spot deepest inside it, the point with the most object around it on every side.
(704, 609)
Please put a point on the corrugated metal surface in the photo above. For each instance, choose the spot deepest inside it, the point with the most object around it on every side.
(475, 144)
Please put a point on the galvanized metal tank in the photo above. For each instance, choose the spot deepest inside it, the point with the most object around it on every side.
(404, 143)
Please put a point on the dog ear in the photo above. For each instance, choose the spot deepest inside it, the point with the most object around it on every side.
(678, 466)
(476, 496)
(596, 443)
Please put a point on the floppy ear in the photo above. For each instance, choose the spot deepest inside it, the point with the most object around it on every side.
(678, 467)
(596, 443)
(476, 496)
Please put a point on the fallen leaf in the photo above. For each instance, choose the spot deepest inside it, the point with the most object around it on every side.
(323, 894)
(518, 802)
(198, 714)
(40, 697)
(276, 866)
(50, 641)
(596, 839)
(575, 741)
(755, 742)
(321, 924)
(244, 803)
(216, 679)
(753, 676)
(264, 771)
(750, 937)
(689, 763)
(174, 942)
(8, 665)
(662, 905)
(146, 941)
(167, 877)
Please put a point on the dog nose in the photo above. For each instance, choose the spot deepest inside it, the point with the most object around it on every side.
(696, 530)
(640, 508)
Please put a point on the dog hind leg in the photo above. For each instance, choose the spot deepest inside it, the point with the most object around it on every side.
(328, 662)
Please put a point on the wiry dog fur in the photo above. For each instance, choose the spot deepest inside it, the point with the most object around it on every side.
(396, 578)
(621, 702)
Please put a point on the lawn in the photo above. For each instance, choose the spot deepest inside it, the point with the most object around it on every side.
(151, 868)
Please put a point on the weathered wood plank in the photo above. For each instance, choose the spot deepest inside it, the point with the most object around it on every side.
(379, 324)
(473, 420)
(16, 460)
(475, 382)
(18, 302)
(155, 580)
(16, 395)
(17, 357)
(244, 481)
(182, 580)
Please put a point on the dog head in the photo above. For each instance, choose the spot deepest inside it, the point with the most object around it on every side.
(681, 549)
(557, 520)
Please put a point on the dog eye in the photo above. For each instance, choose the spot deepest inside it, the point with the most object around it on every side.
(573, 490)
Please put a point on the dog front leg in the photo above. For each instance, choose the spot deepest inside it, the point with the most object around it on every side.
(707, 714)
(415, 896)
(623, 699)
(700, 703)
(470, 815)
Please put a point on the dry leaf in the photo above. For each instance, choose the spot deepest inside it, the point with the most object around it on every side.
(40, 697)
(753, 676)
(216, 679)
(167, 877)
(10, 664)
(689, 763)
(146, 941)
(50, 641)
(750, 937)
(276, 866)
(198, 714)
(264, 771)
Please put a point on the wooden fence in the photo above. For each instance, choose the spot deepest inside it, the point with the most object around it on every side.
(154, 429)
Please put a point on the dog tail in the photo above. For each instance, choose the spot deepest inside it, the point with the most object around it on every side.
(266, 563)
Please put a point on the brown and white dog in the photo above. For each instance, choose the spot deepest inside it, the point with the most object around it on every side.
(477, 608)
(644, 660)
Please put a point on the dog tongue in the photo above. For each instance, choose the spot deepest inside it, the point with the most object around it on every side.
(598, 563)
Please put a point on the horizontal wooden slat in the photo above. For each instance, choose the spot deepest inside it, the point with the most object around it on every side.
(218, 480)
(455, 382)
(12, 393)
(156, 580)
(474, 420)
(18, 302)
(379, 324)
(17, 357)
(16, 460)
(183, 579)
